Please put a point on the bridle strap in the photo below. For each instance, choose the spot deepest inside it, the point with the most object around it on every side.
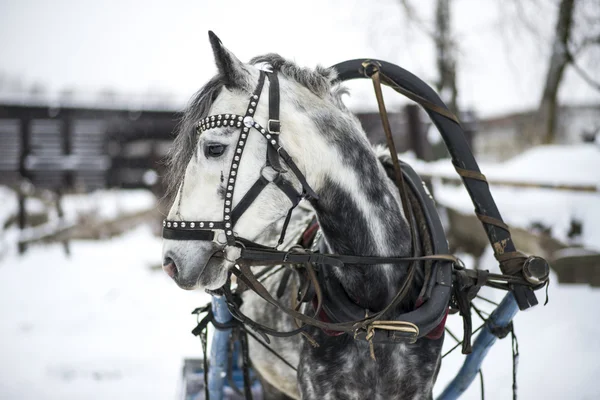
(273, 124)
(256, 256)
(177, 234)
(249, 198)
(309, 193)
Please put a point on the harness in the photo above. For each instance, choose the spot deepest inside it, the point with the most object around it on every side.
(429, 246)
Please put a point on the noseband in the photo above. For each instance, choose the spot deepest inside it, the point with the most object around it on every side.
(222, 232)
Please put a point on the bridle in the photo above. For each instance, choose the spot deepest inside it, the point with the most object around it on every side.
(222, 232)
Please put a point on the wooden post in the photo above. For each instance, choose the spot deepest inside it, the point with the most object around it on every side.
(417, 137)
(25, 125)
(66, 131)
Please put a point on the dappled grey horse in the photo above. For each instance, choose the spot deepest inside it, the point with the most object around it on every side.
(357, 207)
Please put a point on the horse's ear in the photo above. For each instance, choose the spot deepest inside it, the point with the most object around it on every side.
(231, 69)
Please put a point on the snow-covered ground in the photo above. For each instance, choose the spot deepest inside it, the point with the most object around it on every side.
(104, 324)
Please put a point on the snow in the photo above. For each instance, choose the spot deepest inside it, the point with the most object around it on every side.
(107, 323)
(552, 164)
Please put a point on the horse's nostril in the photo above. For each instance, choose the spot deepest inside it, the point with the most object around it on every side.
(169, 267)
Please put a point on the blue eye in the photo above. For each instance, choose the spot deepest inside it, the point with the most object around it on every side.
(214, 149)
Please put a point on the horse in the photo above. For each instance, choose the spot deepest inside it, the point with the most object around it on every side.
(357, 206)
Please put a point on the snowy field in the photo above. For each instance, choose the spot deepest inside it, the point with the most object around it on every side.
(104, 324)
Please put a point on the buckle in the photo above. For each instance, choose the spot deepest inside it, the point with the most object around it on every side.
(274, 126)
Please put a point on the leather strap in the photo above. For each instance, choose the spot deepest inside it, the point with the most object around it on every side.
(492, 221)
(310, 193)
(248, 198)
(467, 173)
(174, 234)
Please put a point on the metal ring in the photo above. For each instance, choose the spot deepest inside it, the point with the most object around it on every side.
(459, 264)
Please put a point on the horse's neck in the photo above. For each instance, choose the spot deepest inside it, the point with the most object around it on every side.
(360, 214)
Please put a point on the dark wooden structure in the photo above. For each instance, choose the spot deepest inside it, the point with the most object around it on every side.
(71, 149)
(74, 149)
(82, 149)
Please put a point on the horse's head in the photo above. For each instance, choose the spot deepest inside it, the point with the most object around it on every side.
(227, 182)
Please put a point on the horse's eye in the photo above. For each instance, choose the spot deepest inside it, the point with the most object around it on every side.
(214, 149)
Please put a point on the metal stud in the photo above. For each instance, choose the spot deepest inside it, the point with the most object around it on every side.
(248, 121)
(218, 123)
(228, 195)
(232, 173)
(210, 225)
(212, 124)
(239, 124)
(273, 142)
(218, 117)
(226, 116)
(231, 180)
(245, 129)
(268, 136)
(256, 125)
(236, 158)
(227, 210)
(212, 118)
(227, 225)
(168, 224)
(262, 131)
(192, 225)
(183, 224)
(230, 187)
(239, 150)
(227, 202)
(244, 136)
(250, 110)
(255, 97)
(241, 142)
(201, 224)
(174, 224)
(227, 219)
(229, 233)
(231, 122)
(164, 223)
(253, 104)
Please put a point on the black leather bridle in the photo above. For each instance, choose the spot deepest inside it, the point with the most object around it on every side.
(222, 232)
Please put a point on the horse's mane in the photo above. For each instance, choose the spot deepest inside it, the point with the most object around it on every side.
(184, 144)
(319, 81)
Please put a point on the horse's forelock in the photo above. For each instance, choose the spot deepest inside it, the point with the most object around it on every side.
(184, 144)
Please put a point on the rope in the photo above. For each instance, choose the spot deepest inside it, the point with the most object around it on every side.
(515, 359)
(481, 382)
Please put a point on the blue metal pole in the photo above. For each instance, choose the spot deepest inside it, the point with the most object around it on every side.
(501, 317)
(219, 349)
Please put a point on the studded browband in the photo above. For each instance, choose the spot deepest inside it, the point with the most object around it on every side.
(222, 232)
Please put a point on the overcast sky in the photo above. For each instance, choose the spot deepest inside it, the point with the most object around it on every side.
(137, 46)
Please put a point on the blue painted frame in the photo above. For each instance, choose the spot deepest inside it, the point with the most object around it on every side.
(501, 317)
(217, 372)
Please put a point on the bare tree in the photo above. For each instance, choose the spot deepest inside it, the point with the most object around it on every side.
(559, 59)
(445, 55)
(442, 37)
(574, 41)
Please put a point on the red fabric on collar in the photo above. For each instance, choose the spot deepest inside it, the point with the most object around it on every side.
(323, 317)
(436, 332)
